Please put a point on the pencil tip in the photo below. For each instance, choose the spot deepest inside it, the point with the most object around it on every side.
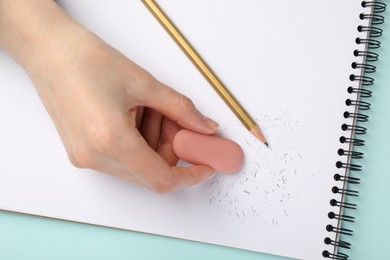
(266, 144)
(258, 134)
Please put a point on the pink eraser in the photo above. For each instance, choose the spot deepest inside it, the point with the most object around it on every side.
(221, 154)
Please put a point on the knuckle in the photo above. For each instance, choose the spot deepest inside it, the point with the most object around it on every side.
(186, 106)
(99, 141)
(75, 162)
(142, 84)
(103, 139)
(82, 158)
(103, 144)
(185, 103)
(145, 79)
(72, 158)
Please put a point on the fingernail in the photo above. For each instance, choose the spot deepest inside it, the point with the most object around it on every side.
(210, 123)
(209, 173)
(211, 176)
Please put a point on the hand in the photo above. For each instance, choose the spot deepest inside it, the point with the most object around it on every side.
(111, 115)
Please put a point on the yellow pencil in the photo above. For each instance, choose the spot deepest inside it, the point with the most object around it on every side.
(206, 71)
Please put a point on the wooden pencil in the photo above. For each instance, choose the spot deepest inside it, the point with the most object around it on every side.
(205, 70)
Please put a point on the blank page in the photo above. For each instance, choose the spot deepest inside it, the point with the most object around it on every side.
(287, 62)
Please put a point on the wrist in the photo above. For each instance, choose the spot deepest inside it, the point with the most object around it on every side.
(34, 32)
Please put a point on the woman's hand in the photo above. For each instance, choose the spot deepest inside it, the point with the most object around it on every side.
(111, 115)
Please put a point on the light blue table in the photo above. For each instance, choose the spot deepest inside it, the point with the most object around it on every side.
(33, 238)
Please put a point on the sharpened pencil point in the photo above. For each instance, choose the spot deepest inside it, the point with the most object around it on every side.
(258, 134)
(266, 144)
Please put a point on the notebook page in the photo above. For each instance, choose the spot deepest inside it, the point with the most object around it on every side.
(287, 62)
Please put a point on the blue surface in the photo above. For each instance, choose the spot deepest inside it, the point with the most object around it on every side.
(26, 237)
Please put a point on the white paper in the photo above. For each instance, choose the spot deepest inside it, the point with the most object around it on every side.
(287, 62)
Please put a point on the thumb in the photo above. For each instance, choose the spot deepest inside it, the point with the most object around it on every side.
(178, 108)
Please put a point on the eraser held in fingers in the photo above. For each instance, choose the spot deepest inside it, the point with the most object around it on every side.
(221, 154)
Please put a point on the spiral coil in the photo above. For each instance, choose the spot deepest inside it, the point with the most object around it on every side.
(358, 106)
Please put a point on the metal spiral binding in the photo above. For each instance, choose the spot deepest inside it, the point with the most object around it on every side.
(365, 93)
(342, 217)
(357, 106)
(347, 179)
(340, 243)
(362, 105)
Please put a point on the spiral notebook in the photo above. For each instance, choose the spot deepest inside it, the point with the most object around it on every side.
(302, 68)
